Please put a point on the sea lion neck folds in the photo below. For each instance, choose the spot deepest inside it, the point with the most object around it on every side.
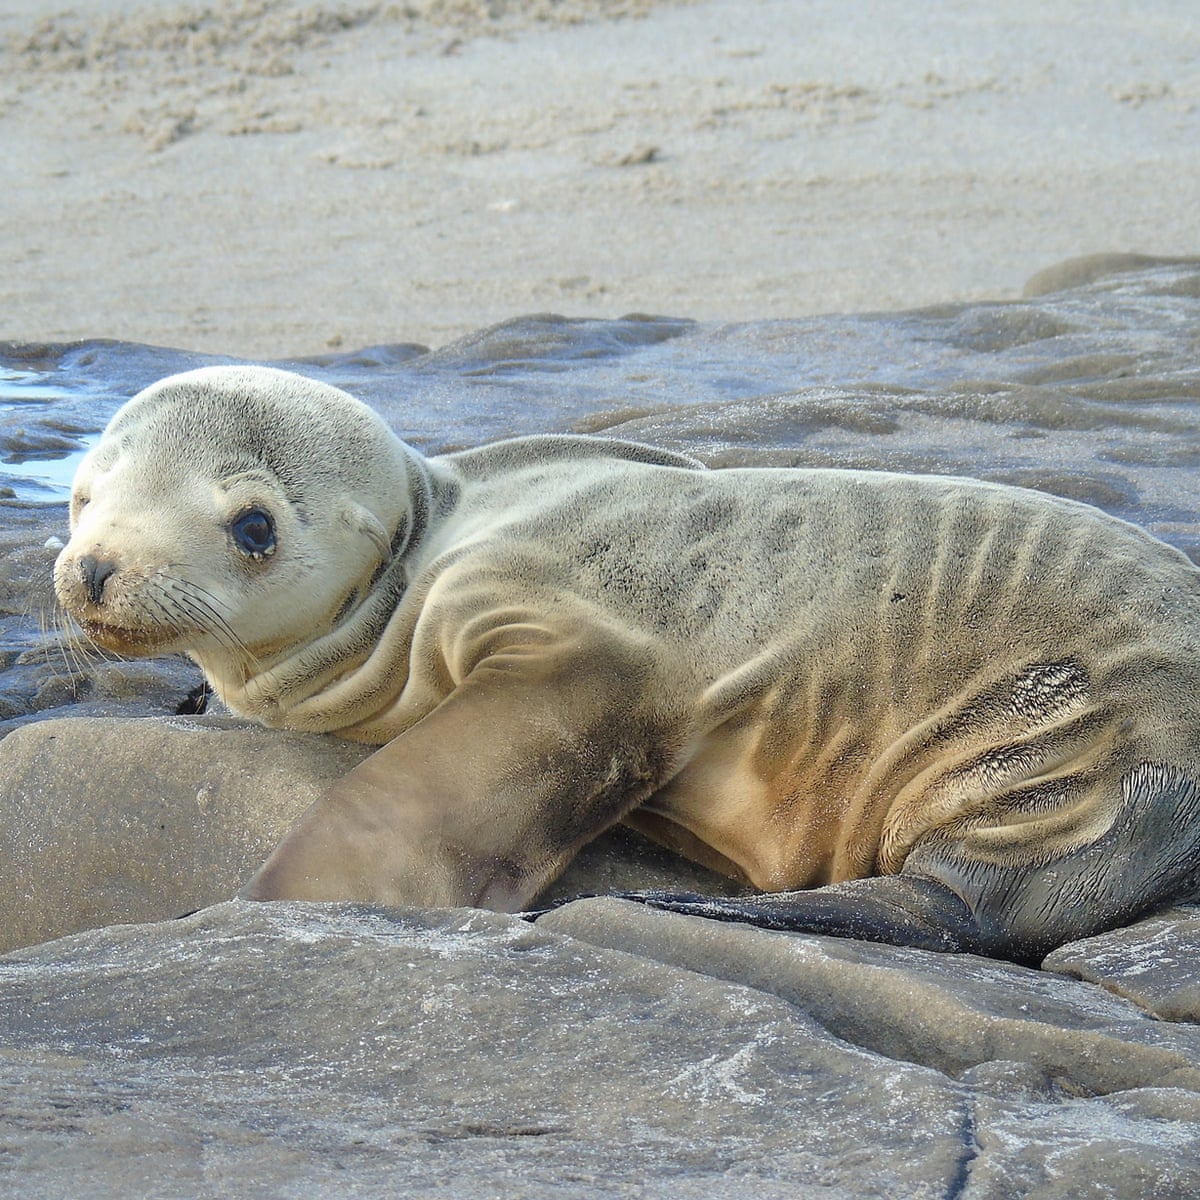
(927, 710)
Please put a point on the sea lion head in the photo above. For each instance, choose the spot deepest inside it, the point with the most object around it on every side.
(234, 513)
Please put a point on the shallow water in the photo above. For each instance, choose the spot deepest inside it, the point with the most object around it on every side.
(1089, 392)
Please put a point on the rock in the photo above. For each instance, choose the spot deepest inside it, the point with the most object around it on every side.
(333, 1050)
(1155, 963)
(953, 1012)
(1092, 268)
(140, 820)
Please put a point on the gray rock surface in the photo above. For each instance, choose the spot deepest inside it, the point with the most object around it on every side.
(141, 820)
(321, 1051)
(1152, 963)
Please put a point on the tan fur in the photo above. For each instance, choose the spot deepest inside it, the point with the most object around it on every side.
(795, 676)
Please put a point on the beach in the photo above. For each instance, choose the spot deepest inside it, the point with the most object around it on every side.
(836, 212)
(267, 178)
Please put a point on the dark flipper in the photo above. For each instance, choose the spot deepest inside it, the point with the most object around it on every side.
(898, 909)
(951, 897)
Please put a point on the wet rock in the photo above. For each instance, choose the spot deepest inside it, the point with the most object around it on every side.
(1155, 963)
(1092, 268)
(952, 1012)
(262, 1049)
(287, 1050)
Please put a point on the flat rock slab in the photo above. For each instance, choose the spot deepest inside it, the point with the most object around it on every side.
(952, 1012)
(304, 1050)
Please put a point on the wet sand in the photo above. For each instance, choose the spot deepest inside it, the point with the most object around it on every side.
(265, 178)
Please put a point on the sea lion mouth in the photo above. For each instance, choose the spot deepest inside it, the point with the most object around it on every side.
(132, 642)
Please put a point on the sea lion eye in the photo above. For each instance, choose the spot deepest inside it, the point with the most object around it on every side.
(254, 533)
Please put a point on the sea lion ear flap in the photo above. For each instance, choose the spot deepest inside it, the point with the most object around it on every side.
(361, 520)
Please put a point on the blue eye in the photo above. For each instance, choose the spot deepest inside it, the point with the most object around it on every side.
(254, 533)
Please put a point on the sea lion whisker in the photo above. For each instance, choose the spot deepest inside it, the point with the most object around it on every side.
(179, 613)
(200, 605)
(200, 602)
(62, 641)
(199, 594)
(84, 652)
(80, 650)
(60, 637)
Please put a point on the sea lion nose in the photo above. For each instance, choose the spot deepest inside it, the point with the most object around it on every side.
(94, 571)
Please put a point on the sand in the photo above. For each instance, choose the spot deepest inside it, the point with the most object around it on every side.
(265, 177)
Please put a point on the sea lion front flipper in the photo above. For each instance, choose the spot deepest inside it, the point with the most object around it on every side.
(901, 910)
(485, 799)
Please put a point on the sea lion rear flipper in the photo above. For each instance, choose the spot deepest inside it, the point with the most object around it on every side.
(900, 910)
(950, 897)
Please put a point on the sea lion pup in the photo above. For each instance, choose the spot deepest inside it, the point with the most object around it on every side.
(964, 715)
